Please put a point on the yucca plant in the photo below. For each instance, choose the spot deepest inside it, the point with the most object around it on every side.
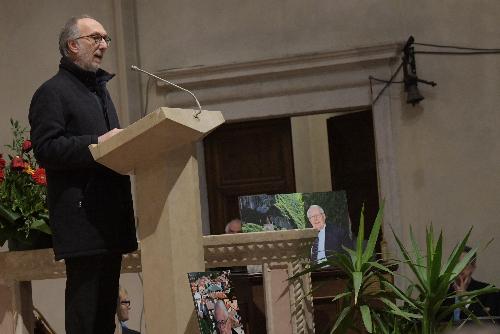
(373, 303)
(433, 277)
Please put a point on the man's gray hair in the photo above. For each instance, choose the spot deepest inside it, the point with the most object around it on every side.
(314, 206)
(70, 31)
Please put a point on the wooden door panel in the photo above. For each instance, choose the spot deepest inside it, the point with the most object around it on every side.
(246, 158)
(353, 163)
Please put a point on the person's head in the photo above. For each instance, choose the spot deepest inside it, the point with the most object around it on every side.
(123, 308)
(469, 269)
(84, 40)
(234, 226)
(317, 217)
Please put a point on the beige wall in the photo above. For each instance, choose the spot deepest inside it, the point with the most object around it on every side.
(447, 149)
(311, 156)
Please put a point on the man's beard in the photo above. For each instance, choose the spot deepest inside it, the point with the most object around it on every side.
(87, 65)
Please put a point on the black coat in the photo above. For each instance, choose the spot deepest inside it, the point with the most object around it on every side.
(490, 301)
(90, 206)
(336, 236)
(126, 330)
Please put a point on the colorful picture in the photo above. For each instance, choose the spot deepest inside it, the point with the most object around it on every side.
(324, 211)
(215, 303)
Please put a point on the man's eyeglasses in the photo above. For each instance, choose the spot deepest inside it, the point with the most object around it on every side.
(125, 302)
(97, 38)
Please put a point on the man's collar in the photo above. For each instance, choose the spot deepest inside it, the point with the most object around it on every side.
(89, 78)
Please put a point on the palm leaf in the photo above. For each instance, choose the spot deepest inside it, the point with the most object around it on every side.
(409, 262)
(341, 295)
(455, 254)
(418, 255)
(359, 240)
(435, 263)
(343, 316)
(400, 294)
(367, 318)
(372, 239)
(357, 278)
(397, 311)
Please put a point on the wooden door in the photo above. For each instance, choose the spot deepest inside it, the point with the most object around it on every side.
(246, 158)
(353, 163)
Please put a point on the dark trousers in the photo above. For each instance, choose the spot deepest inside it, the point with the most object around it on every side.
(92, 293)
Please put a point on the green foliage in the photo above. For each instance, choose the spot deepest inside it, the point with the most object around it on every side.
(433, 276)
(23, 205)
(251, 227)
(419, 309)
(292, 207)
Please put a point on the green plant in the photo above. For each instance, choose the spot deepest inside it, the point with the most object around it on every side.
(372, 300)
(433, 278)
(363, 274)
(23, 191)
(292, 207)
(251, 227)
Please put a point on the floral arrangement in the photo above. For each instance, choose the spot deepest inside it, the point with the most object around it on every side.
(23, 192)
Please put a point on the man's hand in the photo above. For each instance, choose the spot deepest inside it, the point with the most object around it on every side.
(108, 135)
(461, 284)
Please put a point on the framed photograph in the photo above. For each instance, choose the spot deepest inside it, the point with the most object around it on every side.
(215, 302)
(324, 211)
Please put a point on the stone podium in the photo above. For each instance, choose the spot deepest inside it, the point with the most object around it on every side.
(160, 151)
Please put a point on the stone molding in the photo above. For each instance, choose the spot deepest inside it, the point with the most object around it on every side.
(207, 76)
(220, 251)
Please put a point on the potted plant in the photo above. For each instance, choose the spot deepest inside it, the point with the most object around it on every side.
(24, 218)
(388, 309)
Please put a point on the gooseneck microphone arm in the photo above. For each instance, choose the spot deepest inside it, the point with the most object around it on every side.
(135, 68)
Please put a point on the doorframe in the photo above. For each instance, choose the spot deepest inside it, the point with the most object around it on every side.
(300, 85)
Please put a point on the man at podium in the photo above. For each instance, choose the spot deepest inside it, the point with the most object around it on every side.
(90, 206)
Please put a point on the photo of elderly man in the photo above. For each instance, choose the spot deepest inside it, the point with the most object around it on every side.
(331, 236)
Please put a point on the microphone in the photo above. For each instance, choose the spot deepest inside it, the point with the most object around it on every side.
(135, 68)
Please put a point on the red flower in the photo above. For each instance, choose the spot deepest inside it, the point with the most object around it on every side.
(26, 146)
(2, 162)
(17, 163)
(2, 175)
(40, 177)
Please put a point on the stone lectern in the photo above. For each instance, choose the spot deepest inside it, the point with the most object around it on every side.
(160, 151)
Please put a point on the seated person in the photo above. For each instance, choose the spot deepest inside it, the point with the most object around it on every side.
(233, 227)
(331, 236)
(464, 282)
(122, 311)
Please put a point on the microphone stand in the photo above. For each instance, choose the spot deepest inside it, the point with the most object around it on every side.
(197, 113)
